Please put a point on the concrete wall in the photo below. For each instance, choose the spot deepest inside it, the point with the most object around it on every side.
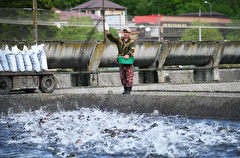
(191, 106)
(148, 55)
(229, 75)
(204, 58)
(173, 77)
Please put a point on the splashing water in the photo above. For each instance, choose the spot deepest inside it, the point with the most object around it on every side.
(95, 133)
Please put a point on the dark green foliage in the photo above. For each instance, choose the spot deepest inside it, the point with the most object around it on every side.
(234, 34)
(142, 7)
(79, 33)
(207, 34)
(21, 10)
(14, 32)
(47, 32)
(19, 31)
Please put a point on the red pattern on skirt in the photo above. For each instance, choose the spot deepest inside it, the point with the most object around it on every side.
(126, 75)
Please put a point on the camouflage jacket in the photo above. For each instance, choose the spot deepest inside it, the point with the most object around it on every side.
(123, 49)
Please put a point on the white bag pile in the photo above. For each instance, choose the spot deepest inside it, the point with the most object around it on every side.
(26, 60)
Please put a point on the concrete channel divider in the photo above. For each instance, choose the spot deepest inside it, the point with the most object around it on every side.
(218, 101)
(206, 59)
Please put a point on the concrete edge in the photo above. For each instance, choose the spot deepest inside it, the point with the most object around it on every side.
(190, 106)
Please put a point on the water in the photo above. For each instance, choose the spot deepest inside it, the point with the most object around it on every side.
(94, 133)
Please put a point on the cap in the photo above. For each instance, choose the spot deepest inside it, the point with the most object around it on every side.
(127, 29)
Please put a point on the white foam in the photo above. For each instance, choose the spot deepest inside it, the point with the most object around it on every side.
(94, 131)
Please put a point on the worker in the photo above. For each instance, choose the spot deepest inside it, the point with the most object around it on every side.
(126, 49)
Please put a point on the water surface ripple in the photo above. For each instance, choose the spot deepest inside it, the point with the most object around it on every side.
(95, 133)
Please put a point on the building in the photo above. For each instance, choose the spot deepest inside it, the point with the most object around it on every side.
(144, 28)
(65, 15)
(156, 27)
(114, 14)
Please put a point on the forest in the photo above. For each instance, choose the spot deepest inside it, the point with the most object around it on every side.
(134, 8)
(143, 7)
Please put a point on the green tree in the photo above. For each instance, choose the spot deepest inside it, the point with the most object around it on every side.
(85, 20)
(164, 7)
(15, 32)
(207, 34)
(44, 4)
(143, 7)
(72, 33)
(46, 32)
(23, 29)
(67, 4)
(134, 7)
(234, 34)
(189, 6)
(79, 33)
(129, 4)
(114, 32)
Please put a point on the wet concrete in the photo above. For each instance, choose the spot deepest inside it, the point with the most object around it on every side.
(208, 100)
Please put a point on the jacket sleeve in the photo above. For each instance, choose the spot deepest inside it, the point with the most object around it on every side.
(112, 39)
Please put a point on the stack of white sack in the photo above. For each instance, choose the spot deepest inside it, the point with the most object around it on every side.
(38, 58)
(25, 60)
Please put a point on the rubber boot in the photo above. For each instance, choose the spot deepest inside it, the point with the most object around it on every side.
(128, 90)
(125, 90)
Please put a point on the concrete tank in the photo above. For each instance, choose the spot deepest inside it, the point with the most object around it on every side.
(189, 53)
(91, 56)
(144, 53)
(231, 53)
(68, 55)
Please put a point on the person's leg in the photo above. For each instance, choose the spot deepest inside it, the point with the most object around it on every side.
(129, 79)
(122, 74)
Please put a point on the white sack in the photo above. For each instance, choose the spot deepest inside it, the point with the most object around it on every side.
(11, 62)
(11, 59)
(26, 59)
(42, 57)
(20, 62)
(34, 58)
(3, 61)
(35, 63)
(19, 58)
(1, 68)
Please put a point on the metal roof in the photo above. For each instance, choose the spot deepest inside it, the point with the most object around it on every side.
(65, 15)
(93, 4)
(204, 14)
